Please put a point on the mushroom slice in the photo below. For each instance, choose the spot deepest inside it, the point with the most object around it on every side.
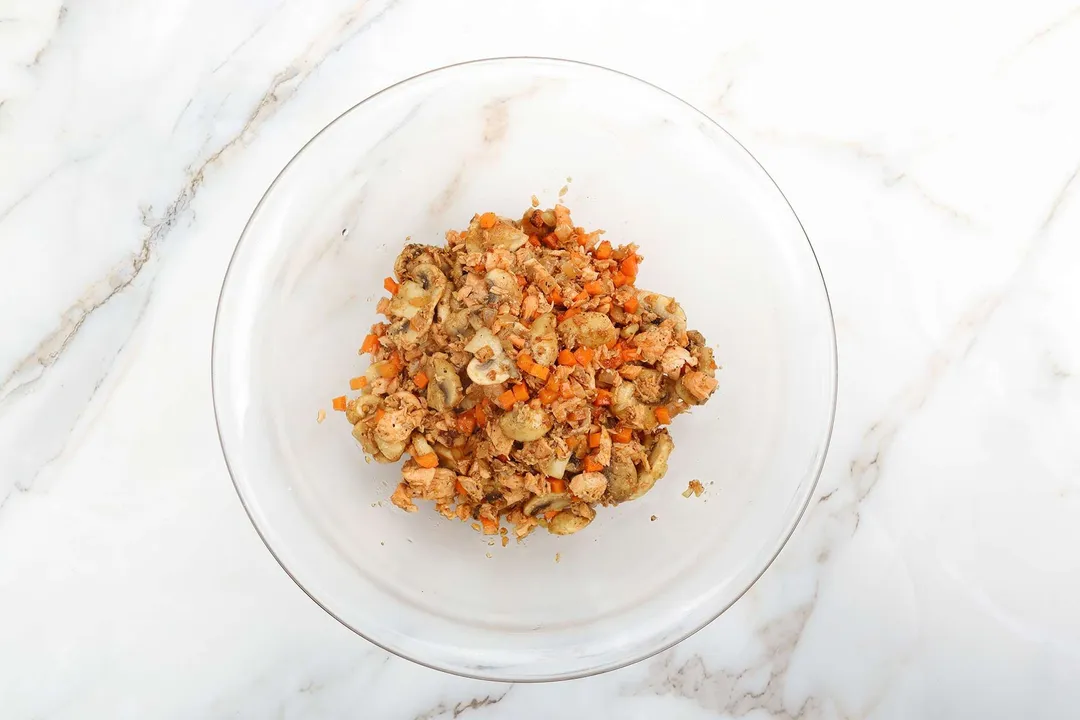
(524, 423)
(544, 343)
(504, 234)
(418, 296)
(444, 390)
(540, 504)
(591, 329)
(414, 254)
(402, 333)
(658, 457)
(622, 477)
(567, 523)
(493, 369)
(408, 300)
(630, 410)
(457, 323)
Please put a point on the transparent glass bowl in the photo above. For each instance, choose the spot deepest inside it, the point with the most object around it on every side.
(422, 157)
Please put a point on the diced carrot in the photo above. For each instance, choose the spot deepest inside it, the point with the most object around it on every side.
(663, 416)
(338, 403)
(566, 357)
(550, 514)
(388, 370)
(584, 355)
(391, 285)
(534, 241)
(594, 439)
(466, 423)
(521, 392)
(459, 488)
(429, 460)
(591, 465)
(631, 305)
(630, 353)
(594, 287)
(629, 267)
(421, 379)
(358, 383)
(525, 361)
(581, 297)
(379, 414)
(371, 344)
(557, 486)
(480, 416)
(566, 392)
(603, 397)
(610, 345)
(623, 435)
(490, 526)
(569, 313)
(573, 441)
(551, 240)
(507, 400)
(521, 281)
(619, 279)
(539, 371)
(487, 220)
(547, 395)
(603, 251)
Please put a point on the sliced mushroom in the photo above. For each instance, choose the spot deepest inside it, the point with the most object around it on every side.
(446, 455)
(524, 423)
(412, 255)
(444, 388)
(408, 300)
(567, 523)
(658, 457)
(493, 370)
(543, 342)
(456, 323)
(418, 296)
(589, 486)
(630, 410)
(419, 446)
(545, 503)
(402, 333)
(504, 234)
(366, 439)
(591, 329)
(391, 450)
(396, 425)
(622, 477)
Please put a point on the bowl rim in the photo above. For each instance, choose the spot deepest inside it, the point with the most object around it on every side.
(785, 536)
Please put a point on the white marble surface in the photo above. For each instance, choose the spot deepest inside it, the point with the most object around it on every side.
(931, 149)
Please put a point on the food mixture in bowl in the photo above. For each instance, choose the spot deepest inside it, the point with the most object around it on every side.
(526, 375)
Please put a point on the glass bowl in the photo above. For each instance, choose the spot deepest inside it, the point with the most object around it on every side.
(419, 158)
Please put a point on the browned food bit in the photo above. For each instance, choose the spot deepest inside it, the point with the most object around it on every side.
(694, 488)
(523, 377)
